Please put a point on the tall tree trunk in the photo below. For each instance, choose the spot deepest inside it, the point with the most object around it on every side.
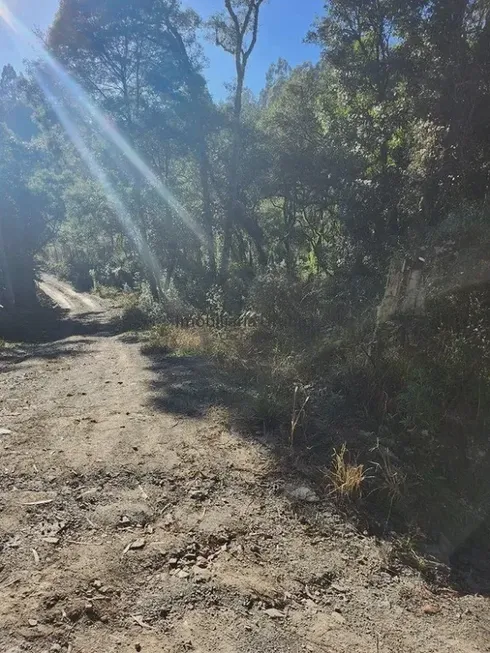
(23, 282)
(197, 95)
(233, 209)
(5, 270)
(207, 207)
(239, 25)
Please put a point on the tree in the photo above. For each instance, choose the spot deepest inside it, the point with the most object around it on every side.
(369, 117)
(141, 61)
(26, 212)
(236, 31)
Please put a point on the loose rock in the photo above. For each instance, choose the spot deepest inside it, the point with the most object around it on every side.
(138, 544)
(304, 493)
(273, 613)
(339, 618)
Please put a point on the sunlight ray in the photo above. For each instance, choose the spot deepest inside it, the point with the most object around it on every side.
(97, 171)
(107, 129)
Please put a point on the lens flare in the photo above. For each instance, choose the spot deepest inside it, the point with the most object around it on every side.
(90, 161)
(109, 131)
(106, 130)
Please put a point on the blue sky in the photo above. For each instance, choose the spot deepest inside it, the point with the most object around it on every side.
(283, 26)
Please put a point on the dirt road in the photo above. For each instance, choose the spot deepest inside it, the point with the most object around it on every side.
(64, 295)
(126, 528)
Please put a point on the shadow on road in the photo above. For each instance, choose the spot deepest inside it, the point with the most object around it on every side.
(50, 332)
(47, 323)
(190, 386)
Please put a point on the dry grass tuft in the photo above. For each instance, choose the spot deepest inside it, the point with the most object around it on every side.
(392, 480)
(345, 478)
(182, 341)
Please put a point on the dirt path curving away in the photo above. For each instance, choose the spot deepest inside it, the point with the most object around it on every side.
(64, 295)
(125, 528)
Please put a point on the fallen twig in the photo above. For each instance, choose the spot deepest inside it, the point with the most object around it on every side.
(140, 622)
(143, 493)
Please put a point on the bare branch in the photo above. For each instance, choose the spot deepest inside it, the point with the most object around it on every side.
(255, 29)
(246, 20)
(233, 16)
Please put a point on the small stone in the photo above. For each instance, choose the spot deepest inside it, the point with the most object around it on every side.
(430, 609)
(97, 584)
(32, 622)
(168, 520)
(182, 574)
(55, 648)
(5, 431)
(273, 613)
(201, 574)
(339, 618)
(137, 646)
(304, 493)
(173, 562)
(104, 618)
(138, 544)
(198, 495)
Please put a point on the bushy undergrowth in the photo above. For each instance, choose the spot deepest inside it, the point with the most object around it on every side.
(406, 420)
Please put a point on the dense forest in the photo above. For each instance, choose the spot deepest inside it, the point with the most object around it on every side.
(300, 208)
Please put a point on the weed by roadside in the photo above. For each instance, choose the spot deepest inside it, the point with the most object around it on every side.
(406, 420)
(345, 478)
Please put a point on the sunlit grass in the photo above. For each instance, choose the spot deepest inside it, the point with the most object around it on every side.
(345, 477)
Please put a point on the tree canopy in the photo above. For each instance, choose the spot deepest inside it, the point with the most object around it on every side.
(334, 167)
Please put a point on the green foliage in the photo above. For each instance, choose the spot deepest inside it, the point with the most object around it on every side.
(27, 212)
